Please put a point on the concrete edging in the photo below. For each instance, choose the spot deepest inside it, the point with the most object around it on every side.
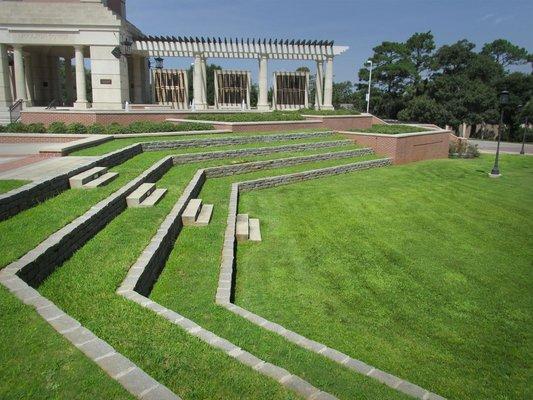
(226, 279)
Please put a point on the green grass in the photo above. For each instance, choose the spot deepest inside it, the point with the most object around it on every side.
(249, 116)
(10, 184)
(116, 144)
(36, 362)
(85, 287)
(423, 270)
(392, 129)
(24, 231)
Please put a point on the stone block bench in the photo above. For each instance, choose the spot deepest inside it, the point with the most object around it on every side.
(146, 195)
(92, 178)
(196, 214)
(247, 229)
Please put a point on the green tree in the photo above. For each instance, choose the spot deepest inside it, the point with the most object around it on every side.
(505, 53)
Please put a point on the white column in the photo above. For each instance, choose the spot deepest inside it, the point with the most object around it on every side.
(29, 78)
(262, 101)
(328, 85)
(319, 92)
(20, 81)
(69, 83)
(81, 94)
(198, 85)
(137, 81)
(5, 87)
(204, 82)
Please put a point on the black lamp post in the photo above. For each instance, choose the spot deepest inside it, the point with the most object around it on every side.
(504, 100)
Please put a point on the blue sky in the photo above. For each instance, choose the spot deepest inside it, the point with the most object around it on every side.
(358, 24)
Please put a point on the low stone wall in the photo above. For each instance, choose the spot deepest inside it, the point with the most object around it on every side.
(39, 263)
(177, 144)
(405, 148)
(214, 155)
(27, 196)
(343, 122)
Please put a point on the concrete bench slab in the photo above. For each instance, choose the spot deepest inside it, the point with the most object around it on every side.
(79, 180)
(154, 198)
(255, 230)
(139, 194)
(205, 215)
(242, 228)
(102, 180)
(191, 212)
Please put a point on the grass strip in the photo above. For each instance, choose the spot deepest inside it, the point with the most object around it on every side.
(10, 184)
(392, 129)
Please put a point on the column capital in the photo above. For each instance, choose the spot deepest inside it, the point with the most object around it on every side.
(78, 47)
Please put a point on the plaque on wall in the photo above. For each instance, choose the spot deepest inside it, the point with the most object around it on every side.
(105, 81)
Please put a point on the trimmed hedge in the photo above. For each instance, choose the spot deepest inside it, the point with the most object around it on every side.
(392, 129)
(250, 116)
(112, 129)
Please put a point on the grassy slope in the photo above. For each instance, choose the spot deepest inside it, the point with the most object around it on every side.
(188, 285)
(7, 185)
(85, 287)
(37, 362)
(392, 129)
(116, 144)
(423, 270)
(27, 229)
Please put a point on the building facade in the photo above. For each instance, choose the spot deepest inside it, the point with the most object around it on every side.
(99, 47)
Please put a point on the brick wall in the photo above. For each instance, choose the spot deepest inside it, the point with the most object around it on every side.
(342, 122)
(266, 127)
(29, 138)
(405, 149)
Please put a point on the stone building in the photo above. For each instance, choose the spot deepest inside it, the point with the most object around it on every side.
(97, 44)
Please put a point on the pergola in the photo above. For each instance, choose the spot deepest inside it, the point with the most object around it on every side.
(261, 49)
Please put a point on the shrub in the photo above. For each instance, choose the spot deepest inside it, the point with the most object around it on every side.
(16, 127)
(115, 129)
(36, 128)
(96, 129)
(57, 127)
(463, 149)
(2, 128)
(142, 127)
(76, 128)
(192, 126)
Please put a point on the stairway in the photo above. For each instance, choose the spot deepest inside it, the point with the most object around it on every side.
(247, 229)
(196, 214)
(92, 178)
(146, 195)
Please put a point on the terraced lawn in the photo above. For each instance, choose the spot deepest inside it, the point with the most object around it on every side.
(422, 270)
(85, 288)
(10, 184)
(119, 143)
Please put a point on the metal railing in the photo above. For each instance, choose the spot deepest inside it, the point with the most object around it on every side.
(14, 111)
(52, 104)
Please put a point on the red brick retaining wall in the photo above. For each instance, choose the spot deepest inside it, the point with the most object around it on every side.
(89, 118)
(29, 138)
(268, 127)
(406, 148)
(344, 122)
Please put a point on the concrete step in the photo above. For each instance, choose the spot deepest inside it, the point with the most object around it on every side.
(255, 230)
(205, 215)
(77, 181)
(102, 180)
(154, 198)
(242, 229)
(191, 212)
(142, 192)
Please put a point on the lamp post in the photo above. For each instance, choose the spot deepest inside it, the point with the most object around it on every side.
(369, 64)
(158, 63)
(526, 126)
(504, 100)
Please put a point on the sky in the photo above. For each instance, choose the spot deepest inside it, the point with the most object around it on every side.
(361, 25)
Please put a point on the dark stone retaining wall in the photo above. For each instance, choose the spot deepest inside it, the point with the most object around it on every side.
(257, 151)
(27, 196)
(177, 144)
(39, 263)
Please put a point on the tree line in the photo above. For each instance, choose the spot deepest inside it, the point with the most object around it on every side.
(450, 85)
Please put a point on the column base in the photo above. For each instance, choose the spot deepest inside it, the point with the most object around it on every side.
(263, 107)
(81, 105)
(491, 175)
(327, 108)
(200, 106)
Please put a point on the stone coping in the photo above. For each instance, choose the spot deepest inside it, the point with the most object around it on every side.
(226, 278)
(337, 116)
(180, 133)
(45, 135)
(399, 135)
(69, 147)
(247, 123)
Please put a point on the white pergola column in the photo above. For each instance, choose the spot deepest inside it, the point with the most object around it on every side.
(5, 87)
(198, 84)
(69, 82)
(20, 81)
(28, 62)
(137, 80)
(319, 89)
(204, 82)
(262, 101)
(81, 94)
(328, 85)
